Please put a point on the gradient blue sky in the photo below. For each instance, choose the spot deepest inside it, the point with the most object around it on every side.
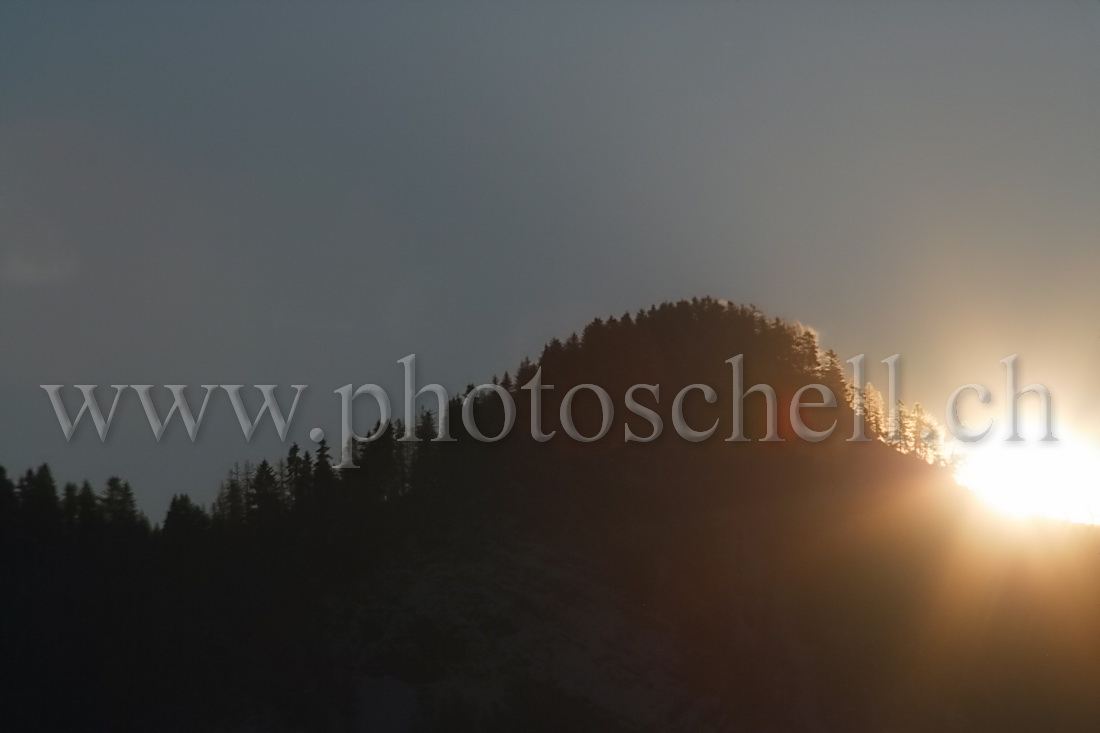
(247, 193)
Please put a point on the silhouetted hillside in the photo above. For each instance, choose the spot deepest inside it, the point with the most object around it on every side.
(525, 585)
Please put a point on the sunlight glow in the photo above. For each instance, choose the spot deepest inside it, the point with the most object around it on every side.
(1057, 480)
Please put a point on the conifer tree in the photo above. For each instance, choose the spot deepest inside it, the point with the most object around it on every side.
(119, 504)
(263, 500)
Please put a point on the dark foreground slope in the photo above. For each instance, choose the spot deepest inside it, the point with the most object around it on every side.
(606, 586)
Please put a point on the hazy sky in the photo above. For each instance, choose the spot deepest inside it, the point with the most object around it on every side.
(305, 194)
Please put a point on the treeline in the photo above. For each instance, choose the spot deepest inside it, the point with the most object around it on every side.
(216, 616)
(32, 511)
(671, 345)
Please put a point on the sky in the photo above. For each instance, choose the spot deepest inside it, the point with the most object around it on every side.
(304, 194)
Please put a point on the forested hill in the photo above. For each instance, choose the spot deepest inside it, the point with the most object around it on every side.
(611, 585)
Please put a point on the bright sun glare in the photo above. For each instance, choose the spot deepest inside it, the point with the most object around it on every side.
(1059, 480)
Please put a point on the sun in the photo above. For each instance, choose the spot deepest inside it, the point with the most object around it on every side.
(1057, 480)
